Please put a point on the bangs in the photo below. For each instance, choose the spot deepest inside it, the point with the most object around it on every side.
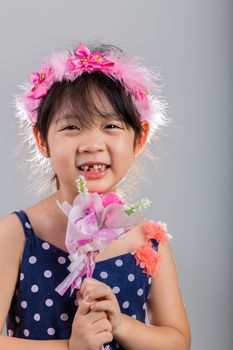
(86, 100)
(88, 97)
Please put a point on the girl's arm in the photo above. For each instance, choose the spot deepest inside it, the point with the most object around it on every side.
(11, 343)
(169, 327)
(89, 330)
(11, 246)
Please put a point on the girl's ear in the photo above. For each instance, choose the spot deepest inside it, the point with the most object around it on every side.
(142, 140)
(41, 144)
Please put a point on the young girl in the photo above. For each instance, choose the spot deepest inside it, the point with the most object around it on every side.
(88, 112)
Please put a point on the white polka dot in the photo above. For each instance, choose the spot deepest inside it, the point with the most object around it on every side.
(103, 274)
(142, 264)
(64, 317)
(26, 332)
(149, 280)
(21, 276)
(131, 277)
(125, 305)
(116, 290)
(17, 319)
(144, 306)
(34, 288)
(119, 262)
(47, 274)
(27, 225)
(51, 331)
(10, 333)
(24, 304)
(134, 316)
(45, 246)
(76, 302)
(32, 259)
(48, 302)
(36, 317)
(140, 292)
(61, 260)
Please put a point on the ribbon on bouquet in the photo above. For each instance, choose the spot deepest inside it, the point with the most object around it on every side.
(94, 221)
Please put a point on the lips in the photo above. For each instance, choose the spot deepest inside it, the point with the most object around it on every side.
(93, 171)
(93, 166)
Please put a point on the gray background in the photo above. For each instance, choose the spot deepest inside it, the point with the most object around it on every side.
(192, 180)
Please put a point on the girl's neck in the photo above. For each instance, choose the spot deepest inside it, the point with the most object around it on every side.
(69, 197)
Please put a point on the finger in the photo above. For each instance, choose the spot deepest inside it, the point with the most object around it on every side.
(78, 294)
(79, 298)
(84, 308)
(104, 337)
(95, 316)
(103, 305)
(88, 283)
(102, 291)
(101, 326)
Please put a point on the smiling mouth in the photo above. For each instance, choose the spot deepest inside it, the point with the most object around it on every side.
(95, 167)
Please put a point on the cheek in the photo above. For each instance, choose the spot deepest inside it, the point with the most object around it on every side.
(124, 151)
(60, 158)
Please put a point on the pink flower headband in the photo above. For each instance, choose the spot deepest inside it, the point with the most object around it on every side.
(137, 80)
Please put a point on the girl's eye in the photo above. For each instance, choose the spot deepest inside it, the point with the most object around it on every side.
(70, 127)
(112, 126)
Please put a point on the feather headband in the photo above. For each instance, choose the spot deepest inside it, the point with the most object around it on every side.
(137, 80)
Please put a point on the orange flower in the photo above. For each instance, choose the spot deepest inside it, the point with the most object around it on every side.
(147, 258)
(157, 230)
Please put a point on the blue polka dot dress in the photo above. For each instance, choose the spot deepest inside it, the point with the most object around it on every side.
(38, 312)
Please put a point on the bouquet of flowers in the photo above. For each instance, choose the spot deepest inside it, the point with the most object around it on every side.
(94, 220)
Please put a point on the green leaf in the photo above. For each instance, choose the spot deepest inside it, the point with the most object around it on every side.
(143, 203)
(81, 184)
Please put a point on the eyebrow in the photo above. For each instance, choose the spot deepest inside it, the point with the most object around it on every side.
(66, 117)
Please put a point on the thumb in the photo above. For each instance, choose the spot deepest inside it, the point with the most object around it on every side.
(79, 298)
(84, 307)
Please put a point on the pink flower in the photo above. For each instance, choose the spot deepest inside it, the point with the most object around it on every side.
(111, 197)
(93, 222)
(148, 258)
(157, 230)
(41, 83)
(86, 61)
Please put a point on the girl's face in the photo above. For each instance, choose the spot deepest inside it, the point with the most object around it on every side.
(75, 150)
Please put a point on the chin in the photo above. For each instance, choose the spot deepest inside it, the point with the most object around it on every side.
(100, 189)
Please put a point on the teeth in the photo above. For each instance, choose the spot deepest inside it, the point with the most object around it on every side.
(96, 167)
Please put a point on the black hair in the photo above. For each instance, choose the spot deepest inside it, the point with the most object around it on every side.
(78, 97)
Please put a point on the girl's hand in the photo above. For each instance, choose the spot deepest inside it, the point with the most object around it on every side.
(102, 299)
(90, 329)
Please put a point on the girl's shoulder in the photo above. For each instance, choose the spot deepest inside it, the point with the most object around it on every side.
(12, 240)
(48, 222)
(11, 229)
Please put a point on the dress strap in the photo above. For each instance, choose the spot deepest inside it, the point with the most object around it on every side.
(27, 227)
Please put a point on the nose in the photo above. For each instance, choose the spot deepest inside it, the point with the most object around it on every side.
(92, 141)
